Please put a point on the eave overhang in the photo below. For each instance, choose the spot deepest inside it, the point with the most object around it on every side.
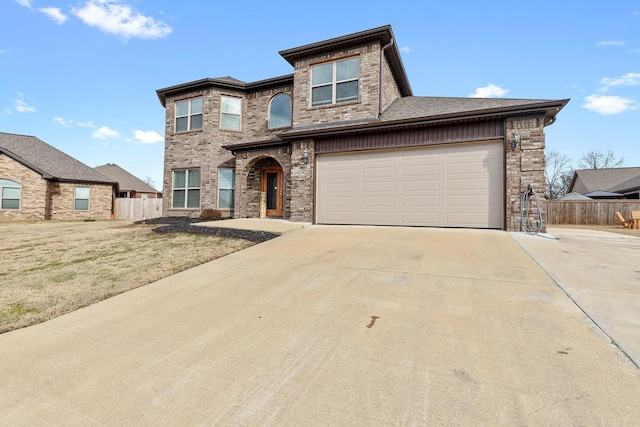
(382, 35)
(222, 83)
(253, 145)
(548, 109)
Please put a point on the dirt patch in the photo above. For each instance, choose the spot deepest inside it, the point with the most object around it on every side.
(50, 268)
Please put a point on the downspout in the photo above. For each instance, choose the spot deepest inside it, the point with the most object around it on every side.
(381, 70)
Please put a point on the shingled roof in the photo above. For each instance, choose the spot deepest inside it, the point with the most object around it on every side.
(617, 180)
(48, 161)
(125, 180)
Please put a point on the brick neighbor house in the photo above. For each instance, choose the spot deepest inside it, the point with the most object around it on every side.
(129, 186)
(342, 140)
(38, 181)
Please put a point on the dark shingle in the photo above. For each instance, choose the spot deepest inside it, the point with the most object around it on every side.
(126, 181)
(49, 161)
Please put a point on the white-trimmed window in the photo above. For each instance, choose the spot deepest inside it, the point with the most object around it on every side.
(280, 111)
(189, 114)
(186, 189)
(10, 194)
(230, 113)
(81, 196)
(335, 82)
(226, 188)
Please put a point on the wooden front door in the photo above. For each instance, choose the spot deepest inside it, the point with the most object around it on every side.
(272, 186)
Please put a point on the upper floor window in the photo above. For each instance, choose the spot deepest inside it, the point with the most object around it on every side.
(280, 111)
(186, 188)
(189, 114)
(230, 113)
(10, 193)
(335, 82)
(81, 197)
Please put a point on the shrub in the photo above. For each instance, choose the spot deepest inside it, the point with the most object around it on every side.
(210, 215)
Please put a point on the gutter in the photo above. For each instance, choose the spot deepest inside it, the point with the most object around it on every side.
(381, 71)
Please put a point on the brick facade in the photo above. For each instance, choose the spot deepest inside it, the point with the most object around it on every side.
(61, 201)
(524, 166)
(381, 82)
(42, 199)
(33, 194)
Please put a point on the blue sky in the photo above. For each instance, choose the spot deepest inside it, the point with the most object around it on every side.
(81, 74)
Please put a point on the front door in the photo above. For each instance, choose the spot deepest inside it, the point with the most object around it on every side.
(272, 186)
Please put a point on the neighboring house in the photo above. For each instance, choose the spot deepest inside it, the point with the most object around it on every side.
(574, 196)
(129, 186)
(616, 183)
(38, 181)
(343, 140)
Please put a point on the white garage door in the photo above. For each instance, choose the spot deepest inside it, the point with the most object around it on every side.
(445, 186)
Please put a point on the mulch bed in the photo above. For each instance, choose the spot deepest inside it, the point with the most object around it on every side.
(175, 224)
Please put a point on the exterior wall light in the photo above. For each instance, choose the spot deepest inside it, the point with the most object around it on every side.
(516, 140)
(305, 157)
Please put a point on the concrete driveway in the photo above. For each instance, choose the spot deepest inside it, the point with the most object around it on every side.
(329, 326)
(600, 271)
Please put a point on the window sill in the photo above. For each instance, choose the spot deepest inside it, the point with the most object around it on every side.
(337, 104)
(186, 132)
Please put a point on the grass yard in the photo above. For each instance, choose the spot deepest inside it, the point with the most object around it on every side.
(49, 268)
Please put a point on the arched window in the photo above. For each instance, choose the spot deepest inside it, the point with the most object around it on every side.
(280, 111)
(10, 193)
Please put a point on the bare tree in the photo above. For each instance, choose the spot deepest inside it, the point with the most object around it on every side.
(149, 181)
(596, 159)
(558, 173)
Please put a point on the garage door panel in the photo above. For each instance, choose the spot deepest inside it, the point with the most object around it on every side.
(378, 172)
(344, 187)
(335, 174)
(477, 200)
(378, 187)
(431, 185)
(341, 217)
(381, 202)
(378, 217)
(420, 170)
(341, 201)
(420, 201)
(444, 186)
(467, 184)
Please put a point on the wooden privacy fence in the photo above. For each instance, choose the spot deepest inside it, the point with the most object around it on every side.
(137, 209)
(589, 212)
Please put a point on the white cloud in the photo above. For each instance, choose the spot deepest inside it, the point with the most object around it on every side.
(62, 121)
(406, 49)
(489, 91)
(25, 3)
(608, 105)
(629, 79)
(104, 132)
(114, 17)
(609, 43)
(3, 51)
(23, 107)
(147, 137)
(55, 14)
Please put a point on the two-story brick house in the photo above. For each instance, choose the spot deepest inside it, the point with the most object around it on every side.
(343, 140)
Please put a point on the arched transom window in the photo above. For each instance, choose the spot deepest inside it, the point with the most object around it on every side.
(280, 111)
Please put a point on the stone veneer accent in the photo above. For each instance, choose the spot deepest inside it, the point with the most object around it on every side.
(525, 165)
